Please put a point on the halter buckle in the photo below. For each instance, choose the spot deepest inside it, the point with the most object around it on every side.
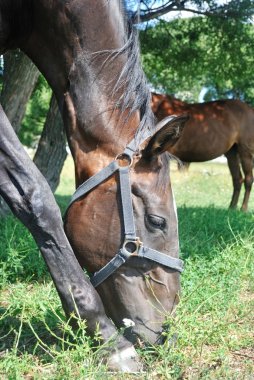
(131, 246)
(124, 160)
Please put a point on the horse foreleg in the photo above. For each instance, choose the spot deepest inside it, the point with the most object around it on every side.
(235, 171)
(247, 165)
(31, 200)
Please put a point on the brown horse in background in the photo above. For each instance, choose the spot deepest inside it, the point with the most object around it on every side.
(215, 128)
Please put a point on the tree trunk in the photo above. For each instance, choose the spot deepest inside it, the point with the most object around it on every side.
(19, 79)
(51, 152)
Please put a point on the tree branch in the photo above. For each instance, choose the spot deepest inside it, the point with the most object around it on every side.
(224, 11)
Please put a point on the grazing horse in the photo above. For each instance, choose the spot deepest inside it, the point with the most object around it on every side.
(215, 128)
(122, 221)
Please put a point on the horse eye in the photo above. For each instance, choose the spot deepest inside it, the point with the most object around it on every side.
(156, 221)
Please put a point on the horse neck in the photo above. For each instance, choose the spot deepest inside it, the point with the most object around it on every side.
(84, 81)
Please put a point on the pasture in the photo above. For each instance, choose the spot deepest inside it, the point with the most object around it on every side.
(214, 320)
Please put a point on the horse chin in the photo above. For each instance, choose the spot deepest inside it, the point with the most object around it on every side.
(140, 304)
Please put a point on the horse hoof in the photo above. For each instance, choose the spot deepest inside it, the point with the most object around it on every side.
(125, 360)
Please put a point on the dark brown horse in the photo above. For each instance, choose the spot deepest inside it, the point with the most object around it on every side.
(89, 54)
(215, 128)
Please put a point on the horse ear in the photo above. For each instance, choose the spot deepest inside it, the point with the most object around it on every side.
(168, 132)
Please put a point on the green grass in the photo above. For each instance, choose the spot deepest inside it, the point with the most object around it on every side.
(214, 320)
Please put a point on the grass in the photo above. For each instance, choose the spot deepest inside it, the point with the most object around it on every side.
(214, 320)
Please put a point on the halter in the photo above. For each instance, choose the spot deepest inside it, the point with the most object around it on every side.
(132, 246)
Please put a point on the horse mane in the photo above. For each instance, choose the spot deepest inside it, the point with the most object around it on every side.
(137, 94)
(132, 83)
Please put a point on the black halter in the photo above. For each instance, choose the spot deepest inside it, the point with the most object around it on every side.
(132, 246)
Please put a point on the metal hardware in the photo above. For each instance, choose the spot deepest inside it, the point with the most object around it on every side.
(124, 160)
(132, 247)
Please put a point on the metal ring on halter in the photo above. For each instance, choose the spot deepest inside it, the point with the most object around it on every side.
(122, 157)
(131, 247)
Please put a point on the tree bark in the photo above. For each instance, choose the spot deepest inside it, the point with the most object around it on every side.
(19, 79)
(51, 152)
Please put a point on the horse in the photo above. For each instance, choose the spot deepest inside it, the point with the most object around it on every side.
(121, 224)
(221, 127)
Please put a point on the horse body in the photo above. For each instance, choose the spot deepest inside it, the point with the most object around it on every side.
(214, 128)
(85, 52)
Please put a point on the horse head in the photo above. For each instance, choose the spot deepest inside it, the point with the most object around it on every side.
(138, 288)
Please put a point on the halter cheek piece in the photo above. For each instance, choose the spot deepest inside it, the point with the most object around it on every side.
(132, 246)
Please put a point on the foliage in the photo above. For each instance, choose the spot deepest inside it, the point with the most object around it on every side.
(185, 55)
(33, 122)
(213, 323)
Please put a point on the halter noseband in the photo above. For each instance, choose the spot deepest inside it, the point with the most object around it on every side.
(132, 246)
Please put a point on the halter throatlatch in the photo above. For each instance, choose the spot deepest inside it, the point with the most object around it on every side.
(132, 246)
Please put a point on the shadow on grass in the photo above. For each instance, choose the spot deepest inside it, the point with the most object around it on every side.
(10, 327)
(42, 336)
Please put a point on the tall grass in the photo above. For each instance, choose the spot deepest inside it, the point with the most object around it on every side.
(214, 321)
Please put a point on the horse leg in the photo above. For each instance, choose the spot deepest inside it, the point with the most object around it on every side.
(237, 179)
(31, 200)
(247, 165)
